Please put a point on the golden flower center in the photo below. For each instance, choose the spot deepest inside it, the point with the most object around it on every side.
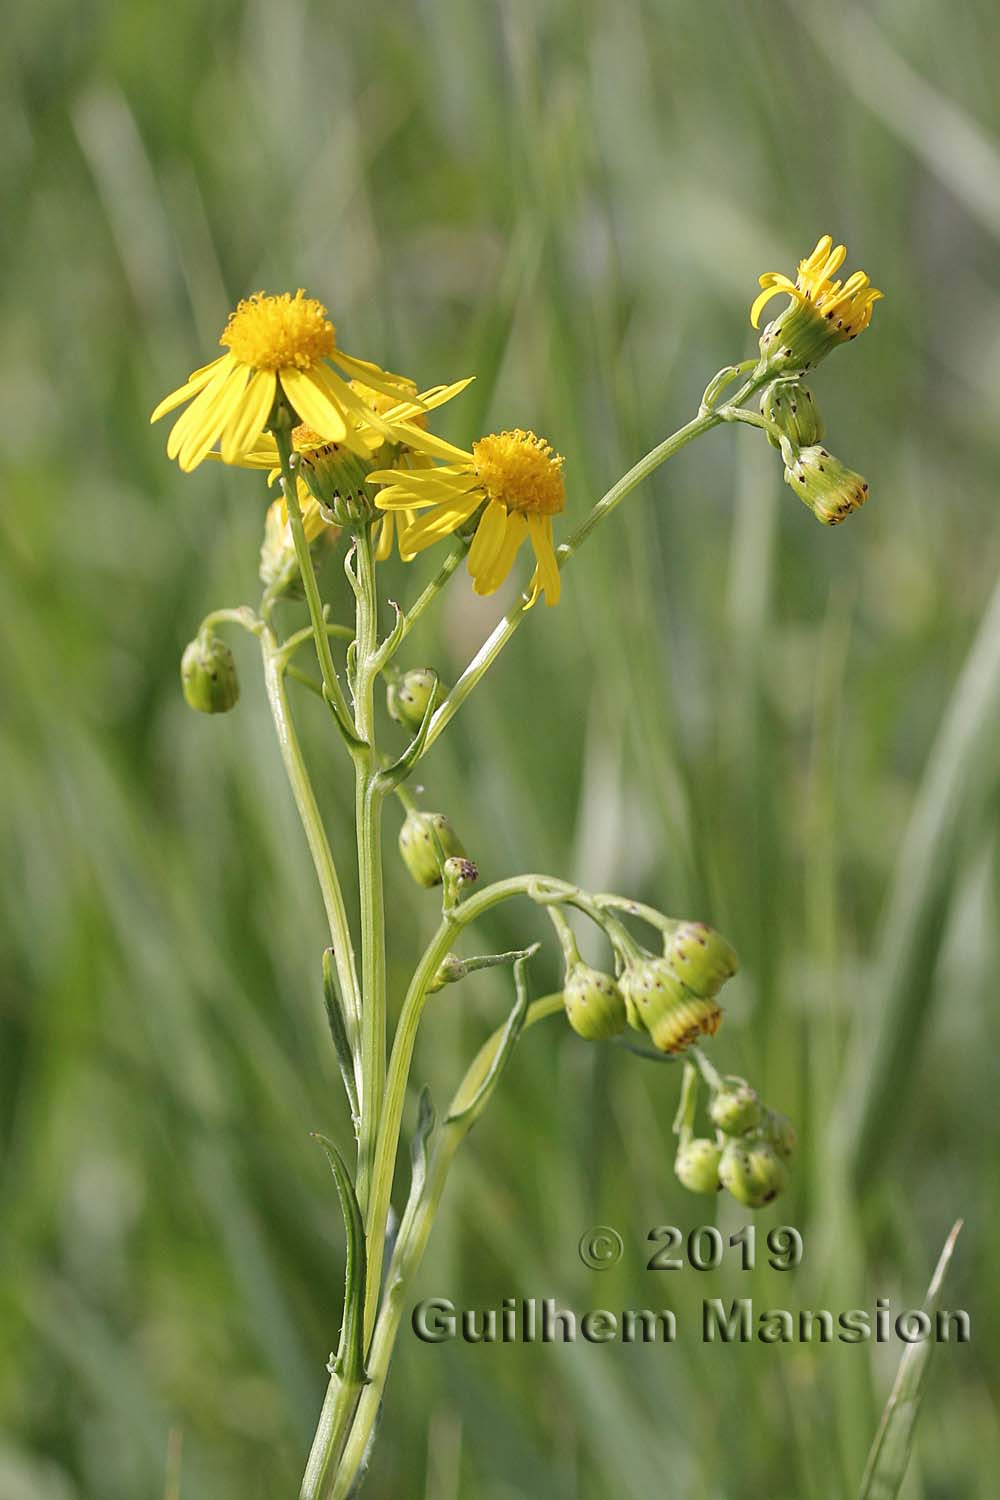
(278, 333)
(521, 471)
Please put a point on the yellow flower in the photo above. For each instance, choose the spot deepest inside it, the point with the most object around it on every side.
(273, 343)
(333, 466)
(822, 312)
(514, 476)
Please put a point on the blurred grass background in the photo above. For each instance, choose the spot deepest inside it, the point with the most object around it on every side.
(734, 714)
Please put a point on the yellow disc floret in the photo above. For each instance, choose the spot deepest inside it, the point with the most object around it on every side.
(521, 471)
(279, 333)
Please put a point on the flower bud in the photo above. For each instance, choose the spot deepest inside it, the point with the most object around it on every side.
(697, 1166)
(208, 675)
(459, 871)
(407, 698)
(735, 1108)
(279, 566)
(658, 1002)
(594, 1003)
(768, 1171)
(426, 841)
(790, 405)
(701, 958)
(829, 488)
(752, 1174)
(778, 1131)
(336, 478)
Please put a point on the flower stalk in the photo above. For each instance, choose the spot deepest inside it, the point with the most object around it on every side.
(286, 398)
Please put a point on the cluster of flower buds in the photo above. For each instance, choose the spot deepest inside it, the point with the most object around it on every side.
(829, 488)
(823, 311)
(749, 1153)
(673, 997)
(208, 675)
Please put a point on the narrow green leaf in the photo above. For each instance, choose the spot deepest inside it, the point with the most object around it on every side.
(469, 1112)
(338, 1030)
(350, 1361)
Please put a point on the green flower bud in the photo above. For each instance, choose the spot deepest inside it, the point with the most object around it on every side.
(753, 1174)
(701, 958)
(407, 698)
(208, 675)
(658, 1002)
(426, 841)
(790, 405)
(697, 1166)
(768, 1171)
(778, 1131)
(336, 478)
(594, 1003)
(735, 1108)
(279, 566)
(829, 488)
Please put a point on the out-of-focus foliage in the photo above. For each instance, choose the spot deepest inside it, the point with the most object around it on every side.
(734, 712)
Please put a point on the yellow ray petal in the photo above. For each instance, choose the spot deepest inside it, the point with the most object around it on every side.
(214, 419)
(247, 422)
(313, 404)
(195, 383)
(374, 376)
(204, 409)
(438, 523)
(488, 539)
(770, 291)
(426, 442)
(514, 534)
(540, 530)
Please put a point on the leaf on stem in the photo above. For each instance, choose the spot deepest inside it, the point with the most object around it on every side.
(350, 1361)
(338, 1031)
(469, 1113)
(393, 775)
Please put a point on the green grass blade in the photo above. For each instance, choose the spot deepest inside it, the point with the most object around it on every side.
(890, 1453)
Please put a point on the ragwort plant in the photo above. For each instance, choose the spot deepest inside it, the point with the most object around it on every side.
(359, 468)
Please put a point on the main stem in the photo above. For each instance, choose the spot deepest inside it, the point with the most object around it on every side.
(414, 1232)
(368, 816)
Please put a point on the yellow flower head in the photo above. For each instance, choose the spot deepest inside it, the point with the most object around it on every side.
(278, 344)
(822, 312)
(513, 476)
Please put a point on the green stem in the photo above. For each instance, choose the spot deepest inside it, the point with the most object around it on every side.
(414, 1233)
(492, 648)
(402, 1051)
(331, 682)
(368, 812)
(312, 823)
(437, 583)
